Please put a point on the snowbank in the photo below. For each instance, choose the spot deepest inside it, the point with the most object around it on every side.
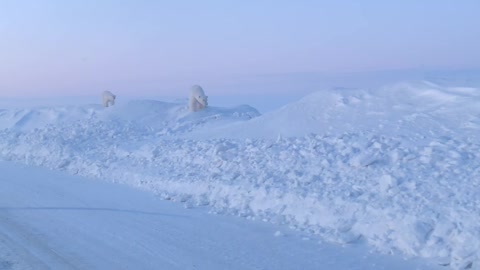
(148, 116)
(399, 109)
(396, 168)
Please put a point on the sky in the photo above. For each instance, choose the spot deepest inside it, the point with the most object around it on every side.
(82, 47)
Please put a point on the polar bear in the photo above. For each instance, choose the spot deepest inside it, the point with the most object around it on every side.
(108, 98)
(198, 100)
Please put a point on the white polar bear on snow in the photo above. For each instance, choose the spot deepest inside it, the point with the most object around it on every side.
(198, 100)
(108, 98)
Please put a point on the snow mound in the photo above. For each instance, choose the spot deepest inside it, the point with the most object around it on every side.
(174, 118)
(404, 108)
(162, 118)
(28, 119)
(396, 168)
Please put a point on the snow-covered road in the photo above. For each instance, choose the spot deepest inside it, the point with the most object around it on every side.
(49, 220)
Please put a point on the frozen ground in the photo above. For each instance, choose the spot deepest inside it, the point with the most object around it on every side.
(393, 169)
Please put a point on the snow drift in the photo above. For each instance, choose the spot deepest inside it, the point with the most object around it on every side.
(143, 115)
(396, 168)
(399, 109)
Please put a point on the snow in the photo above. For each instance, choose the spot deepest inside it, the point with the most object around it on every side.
(394, 169)
(50, 220)
(397, 109)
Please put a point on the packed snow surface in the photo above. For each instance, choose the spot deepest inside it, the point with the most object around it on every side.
(395, 168)
(52, 221)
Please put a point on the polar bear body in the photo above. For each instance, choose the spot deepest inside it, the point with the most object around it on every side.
(108, 99)
(198, 100)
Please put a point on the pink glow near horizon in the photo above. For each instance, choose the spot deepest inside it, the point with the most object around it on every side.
(56, 47)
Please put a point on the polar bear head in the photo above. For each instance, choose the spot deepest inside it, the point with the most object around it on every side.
(198, 99)
(199, 95)
(108, 99)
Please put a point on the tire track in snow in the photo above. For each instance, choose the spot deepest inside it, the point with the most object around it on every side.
(30, 251)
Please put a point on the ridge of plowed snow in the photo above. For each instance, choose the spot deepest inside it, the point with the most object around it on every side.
(396, 167)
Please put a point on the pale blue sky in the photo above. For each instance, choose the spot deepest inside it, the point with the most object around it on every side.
(74, 47)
